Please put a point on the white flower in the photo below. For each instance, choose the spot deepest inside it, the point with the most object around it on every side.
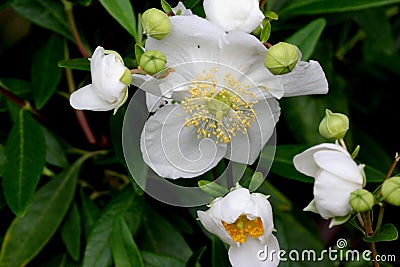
(336, 176)
(244, 221)
(181, 10)
(110, 80)
(220, 77)
(241, 15)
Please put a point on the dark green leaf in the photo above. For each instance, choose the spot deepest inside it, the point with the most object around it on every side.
(28, 234)
(90, 213)
(283, 162)
(45, 73)
(327, 6)
(25, 158)
(48, 14)
(307, 37)
(98, 248)
(194, 260)
(256, 180)
(82, 2)
(160, 236)
(388, 232)
(121, 11)
(374, 175)
(71, 232)
(139, 51)
(19, 88)
(219, 253)
(278, 200)
(124, 249)
(55, 154)
(152, 259)
(2, 159)
(75, 64)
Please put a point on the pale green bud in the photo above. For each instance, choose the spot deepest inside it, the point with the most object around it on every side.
(281, 58)
(391, 191)
(334, 125)
(361, 200)
(156, 23)
(153, 61)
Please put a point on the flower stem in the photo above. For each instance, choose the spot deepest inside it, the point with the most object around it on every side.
(75, 34)
(83, 122)
(370, 232)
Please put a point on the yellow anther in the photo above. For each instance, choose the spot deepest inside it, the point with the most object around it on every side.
(243, 227)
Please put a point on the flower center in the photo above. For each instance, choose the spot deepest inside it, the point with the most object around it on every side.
(243, 227)
(219, 110)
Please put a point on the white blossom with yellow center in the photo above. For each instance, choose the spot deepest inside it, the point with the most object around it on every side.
(224, 98)
(244, 221)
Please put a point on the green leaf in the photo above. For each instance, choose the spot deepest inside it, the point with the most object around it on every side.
(90, 213)
(277, 198)
(19, 88)
(44, 72)
(48, 14)
(27, 235)
(307, 37)
(139, 51)
(122, 11)
(195, 258)
(271, 15)
(165, 6)
(212, 188)
(98, 248)
(71, 232)
(388, 232)
(374, 175)
(55, 154)
(25, 158)
(256, 180)
(326, 6)
(157, 234)
(283, 162)
(75, 64)
(2, 159)
(152, 259)
(219, 253)
(266, 32)
(124, 249)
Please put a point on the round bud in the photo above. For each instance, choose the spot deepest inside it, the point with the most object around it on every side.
(334, 125)
(281, 58)
(156, 23)
(391, 191)
(361, 200)
(153, 61)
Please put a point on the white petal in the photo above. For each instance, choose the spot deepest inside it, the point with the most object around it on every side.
(304, 162)
(339, 164)
(87, 98)
(183, 10)
(235, 204)
(263, 209)
(245, 148)
(306, 78)
(172, 150)
(331, 194)
(106, 71)
(252, 253)
(191, 39)
(154, 103)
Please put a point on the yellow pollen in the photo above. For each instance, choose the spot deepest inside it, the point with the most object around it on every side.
(219, 111)
(243, 227)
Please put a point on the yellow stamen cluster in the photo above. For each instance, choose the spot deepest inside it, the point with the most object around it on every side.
(219, 110)
(243, 227)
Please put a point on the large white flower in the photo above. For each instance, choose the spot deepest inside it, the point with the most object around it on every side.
(110, 80)
(241, 15)
(336, 176)
(244, 221)
(226, 98)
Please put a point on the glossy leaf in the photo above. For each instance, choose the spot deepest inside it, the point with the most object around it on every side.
(122, 11)
(98, 248)
(266, 32)
(90, 213)
(212, 188)
(48, 14)
(45, 73)
(75, 64)
(18, 87)
(71, 232)
(27, 235)
(2, 159)
(165, 6)
(25, 152)
(388, 232)
(219, 253)
(195, 259)
(326, 6)
(55, 154)
(307, 37)
(124, 249)
(152, 259)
